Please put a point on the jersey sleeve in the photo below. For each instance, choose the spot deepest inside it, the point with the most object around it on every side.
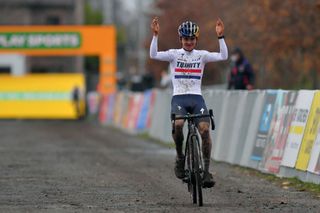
(159, 55)
(214, 56)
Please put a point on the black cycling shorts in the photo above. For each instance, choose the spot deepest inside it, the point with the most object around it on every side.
(189, 103)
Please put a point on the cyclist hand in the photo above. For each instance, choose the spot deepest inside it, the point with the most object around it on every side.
(155, 26)
(219, 27)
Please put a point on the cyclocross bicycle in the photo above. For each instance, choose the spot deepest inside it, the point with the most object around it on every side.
(193, 155)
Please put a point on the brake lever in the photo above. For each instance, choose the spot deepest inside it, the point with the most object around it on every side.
(213, 126)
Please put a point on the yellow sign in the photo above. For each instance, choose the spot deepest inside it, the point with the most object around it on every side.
(50, 96)
(298, 130)
(66, 41)
(310, 134)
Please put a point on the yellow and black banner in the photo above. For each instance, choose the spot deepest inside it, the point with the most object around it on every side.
(310, 134)
(42, 96)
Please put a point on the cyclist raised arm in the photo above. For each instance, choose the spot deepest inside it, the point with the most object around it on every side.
(186, 67)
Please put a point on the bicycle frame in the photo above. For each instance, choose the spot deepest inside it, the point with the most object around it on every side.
(193, 132)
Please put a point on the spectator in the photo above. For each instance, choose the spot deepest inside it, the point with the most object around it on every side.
(241, 75)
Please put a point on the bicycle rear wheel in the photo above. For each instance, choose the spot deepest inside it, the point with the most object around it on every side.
(197, 184)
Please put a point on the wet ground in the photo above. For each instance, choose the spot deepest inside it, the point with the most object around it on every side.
(65, 166)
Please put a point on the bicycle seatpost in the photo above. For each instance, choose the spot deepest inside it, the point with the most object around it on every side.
(173, 119)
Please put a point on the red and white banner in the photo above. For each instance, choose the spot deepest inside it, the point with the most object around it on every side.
(279, 131)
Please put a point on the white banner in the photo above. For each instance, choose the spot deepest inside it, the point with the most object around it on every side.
(297, 128)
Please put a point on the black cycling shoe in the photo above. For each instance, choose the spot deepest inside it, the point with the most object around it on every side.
(207, 181)
(179, 167)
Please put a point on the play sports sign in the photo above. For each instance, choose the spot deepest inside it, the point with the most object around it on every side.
(40, 40)
(66, 41)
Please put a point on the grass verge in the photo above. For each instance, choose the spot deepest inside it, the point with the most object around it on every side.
(283, 182)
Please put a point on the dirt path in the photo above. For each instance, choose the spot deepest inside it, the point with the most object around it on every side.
(61, 166)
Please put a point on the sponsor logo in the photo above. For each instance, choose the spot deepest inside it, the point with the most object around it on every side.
(40, 40)
(201, 110)
(188, 65)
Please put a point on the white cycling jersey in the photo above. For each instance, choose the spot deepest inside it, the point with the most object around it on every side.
(186, 68)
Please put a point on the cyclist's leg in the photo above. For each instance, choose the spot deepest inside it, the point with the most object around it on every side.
(199, 107)
(178, 109)
(178, 137)
(204, 130)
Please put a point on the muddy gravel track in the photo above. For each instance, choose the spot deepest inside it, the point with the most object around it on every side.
(65, 166)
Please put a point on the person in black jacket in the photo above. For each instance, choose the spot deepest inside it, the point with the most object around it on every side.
(241, 75)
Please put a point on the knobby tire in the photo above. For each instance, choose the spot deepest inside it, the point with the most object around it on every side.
(197, 179)
(192, 172)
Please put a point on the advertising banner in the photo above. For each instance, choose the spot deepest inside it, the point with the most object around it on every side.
(145, 109)
(42, 96)
(310, 134)
(134, 109)
(119, 102)
(273, 131)
(301, 113)
(126, 106)
(280, 129)
(103, 109)
(110, 110)
(314, 164)
(264, 125)
(93, 99)
(151, 108)
(128, 113)
(107, 109)
(317, 168)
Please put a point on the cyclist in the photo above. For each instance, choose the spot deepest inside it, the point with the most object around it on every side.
(186, 67)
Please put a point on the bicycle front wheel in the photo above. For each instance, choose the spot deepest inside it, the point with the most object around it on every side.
(197, 184)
